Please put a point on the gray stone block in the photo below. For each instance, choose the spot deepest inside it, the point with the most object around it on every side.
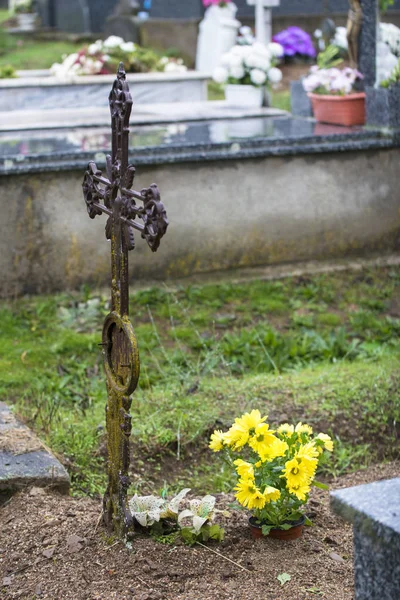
(299, 101)
(374, 510)
(24, 461)
(383, 106)
(123, 26)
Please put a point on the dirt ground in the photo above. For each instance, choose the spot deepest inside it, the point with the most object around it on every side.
(50, 549)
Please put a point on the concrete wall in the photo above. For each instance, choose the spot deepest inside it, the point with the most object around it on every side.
(222, 215)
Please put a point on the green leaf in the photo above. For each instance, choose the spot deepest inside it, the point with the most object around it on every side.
(321, 486)
(308, 522)
(284, 578)
(285, 526)
(266, 529)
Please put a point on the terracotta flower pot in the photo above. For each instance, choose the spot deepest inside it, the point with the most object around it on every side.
(293, 533)
(339, 110)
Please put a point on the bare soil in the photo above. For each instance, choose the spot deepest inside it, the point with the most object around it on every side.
(50, 548)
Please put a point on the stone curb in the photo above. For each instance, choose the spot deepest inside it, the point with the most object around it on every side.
(24, 460)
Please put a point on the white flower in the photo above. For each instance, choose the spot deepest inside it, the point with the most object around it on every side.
(257, 76)
(311, 83)
(276, 49)
(237, 72)
(256, 61)
(220, 74)
(235, 61)
(173, 67)
(146, 509)
(317, 33)
(225, 59)
(340, 38)
(261, 49)
(200, 511)
(96, 47)
(390, 35)
(170, 511)
(244, 30)
(113, 41)
(275, 75)
(128, 46)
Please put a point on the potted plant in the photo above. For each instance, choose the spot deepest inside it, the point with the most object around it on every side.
(333, 96)
(246, 70)
(26, 16)
(275, 470)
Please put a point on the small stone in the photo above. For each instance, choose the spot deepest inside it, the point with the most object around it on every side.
(48, 552)
(336, 557)
(7, 581)
(37, 491)
(51, 523)
(74, 543)
(39, 590)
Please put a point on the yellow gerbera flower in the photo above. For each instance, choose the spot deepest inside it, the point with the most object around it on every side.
(248, 494)
(217, 440)
(271, 494)
(303, 428)
(263, 437)
(296, 473)
(327, 441)
(243, 427)
(244, 469)
(277, 448)
(299, 490)
(236, 438)
(286, 429)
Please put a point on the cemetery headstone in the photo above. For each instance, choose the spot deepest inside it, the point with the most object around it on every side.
(124, 22)
(263, 17)
(112, 194)
(374, 510)
(218, 30)
(368, 41)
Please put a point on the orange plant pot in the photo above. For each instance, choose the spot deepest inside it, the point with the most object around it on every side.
(339, 110)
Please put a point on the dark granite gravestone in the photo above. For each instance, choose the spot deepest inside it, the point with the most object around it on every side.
(177, 9)
(123, 22)
(383, 106)
(368, 40)
(374, 510)
(300, 103)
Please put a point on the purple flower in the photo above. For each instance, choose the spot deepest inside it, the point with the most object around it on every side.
(295, 41)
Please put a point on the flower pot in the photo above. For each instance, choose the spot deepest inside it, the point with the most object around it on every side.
(244, 95)
(339, 110)
(293, 533)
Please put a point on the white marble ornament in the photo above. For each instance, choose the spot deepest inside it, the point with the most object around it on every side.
(217, 34)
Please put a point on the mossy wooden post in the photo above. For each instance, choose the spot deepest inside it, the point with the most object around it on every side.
(112, 194)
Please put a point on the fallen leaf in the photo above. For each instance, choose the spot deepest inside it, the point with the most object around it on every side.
(284, 578)
(23, 356)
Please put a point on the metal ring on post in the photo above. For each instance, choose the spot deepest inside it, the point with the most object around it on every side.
(115, 324)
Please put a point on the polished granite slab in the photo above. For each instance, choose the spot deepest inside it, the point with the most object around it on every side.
(233, 134)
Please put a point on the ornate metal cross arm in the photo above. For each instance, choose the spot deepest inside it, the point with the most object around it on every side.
(128, 211)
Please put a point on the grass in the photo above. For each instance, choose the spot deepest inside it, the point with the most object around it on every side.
(36, 54)
(322, 349)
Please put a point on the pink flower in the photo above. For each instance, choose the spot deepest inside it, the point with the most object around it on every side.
(207, 3)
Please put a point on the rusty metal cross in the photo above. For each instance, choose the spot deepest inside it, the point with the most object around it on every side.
(113, 196)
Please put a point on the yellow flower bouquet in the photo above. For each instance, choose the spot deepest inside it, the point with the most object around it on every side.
(275, 468)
